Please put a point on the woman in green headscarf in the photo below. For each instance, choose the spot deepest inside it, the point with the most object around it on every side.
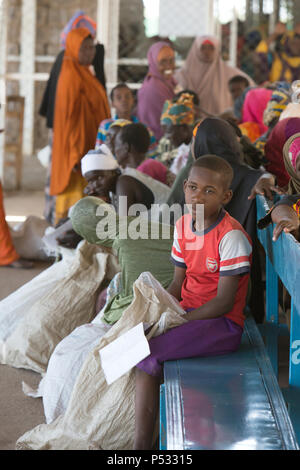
(131, 239)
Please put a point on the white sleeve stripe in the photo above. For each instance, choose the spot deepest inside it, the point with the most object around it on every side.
(176, 244)
(177, 258)
(234, 266)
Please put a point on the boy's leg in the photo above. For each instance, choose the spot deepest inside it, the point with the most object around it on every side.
(146, 409)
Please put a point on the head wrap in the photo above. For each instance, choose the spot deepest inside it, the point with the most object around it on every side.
(282, 131)
(180, 111)
(214, 136)
(120, 123)
(276, 105)
(78, 20)
(155, 90)
(80, 104)
(208, 79)
(291, 151)
(100, 159)
(254, 106)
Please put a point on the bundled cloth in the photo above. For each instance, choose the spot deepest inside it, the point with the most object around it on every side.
(35, 318)
(278, 102)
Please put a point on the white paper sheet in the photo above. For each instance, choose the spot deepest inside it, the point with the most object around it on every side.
(125, 352)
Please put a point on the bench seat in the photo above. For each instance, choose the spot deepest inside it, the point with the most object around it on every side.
(230, 402)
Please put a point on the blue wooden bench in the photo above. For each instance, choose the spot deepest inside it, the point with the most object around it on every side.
(282, 262)
(234, 402)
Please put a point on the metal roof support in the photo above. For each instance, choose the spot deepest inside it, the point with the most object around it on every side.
(27, 68)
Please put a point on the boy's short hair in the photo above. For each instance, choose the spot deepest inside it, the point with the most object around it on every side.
(119, 85)
(239, 79)
(217, 164)
(136, 135)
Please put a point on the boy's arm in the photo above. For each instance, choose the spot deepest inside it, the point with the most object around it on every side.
(176, 285)
(219, 305)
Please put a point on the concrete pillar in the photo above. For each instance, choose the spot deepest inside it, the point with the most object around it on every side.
(27, 67)
(233, 38)
(108, 14)
(3, 56)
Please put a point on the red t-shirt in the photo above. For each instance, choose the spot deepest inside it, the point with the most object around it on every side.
(224, 249)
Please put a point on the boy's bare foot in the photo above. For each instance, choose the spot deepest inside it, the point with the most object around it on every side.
(20, 264)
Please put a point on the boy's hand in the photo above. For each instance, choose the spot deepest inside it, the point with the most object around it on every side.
(176, 285)
(219, 305)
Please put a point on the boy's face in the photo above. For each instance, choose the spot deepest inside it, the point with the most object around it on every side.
(121, 150)
(178, 134)
(205, 186)
(207, 52)
(110, 138)
(166, 62)
(236, 89)
(100, 182)
(123, 100)
(87, 51)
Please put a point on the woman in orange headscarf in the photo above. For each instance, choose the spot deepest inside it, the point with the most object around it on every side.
(81, 104)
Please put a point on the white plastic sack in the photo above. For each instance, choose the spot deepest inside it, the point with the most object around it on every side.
(44, 156)
(70, 303)
(99, 416)
(67, 358)
(28, 238)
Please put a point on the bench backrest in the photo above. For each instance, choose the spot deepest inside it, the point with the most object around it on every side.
(282, 261)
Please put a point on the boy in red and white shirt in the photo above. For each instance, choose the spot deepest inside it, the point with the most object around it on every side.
(212, 267)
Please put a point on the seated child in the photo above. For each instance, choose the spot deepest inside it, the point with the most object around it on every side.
(212, 267)
(122, 100)
(177, 121)
(131, 145)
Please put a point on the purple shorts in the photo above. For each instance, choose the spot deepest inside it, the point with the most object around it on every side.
(212, 337)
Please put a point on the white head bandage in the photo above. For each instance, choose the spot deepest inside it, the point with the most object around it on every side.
(98, 159)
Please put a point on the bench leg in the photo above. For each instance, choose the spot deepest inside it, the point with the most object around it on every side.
(162, 420)
(272, 314)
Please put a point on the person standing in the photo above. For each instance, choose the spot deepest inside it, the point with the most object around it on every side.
(81, 103)
(159, 85)
(207, 74)
(78, 20)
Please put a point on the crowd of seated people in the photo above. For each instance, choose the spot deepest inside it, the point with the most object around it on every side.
(206, 135)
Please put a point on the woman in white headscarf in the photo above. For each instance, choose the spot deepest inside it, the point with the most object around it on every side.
(207, 74)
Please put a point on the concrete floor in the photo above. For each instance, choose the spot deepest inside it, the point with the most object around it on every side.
(19, 413)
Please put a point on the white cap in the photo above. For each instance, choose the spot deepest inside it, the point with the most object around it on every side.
(98, 159)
